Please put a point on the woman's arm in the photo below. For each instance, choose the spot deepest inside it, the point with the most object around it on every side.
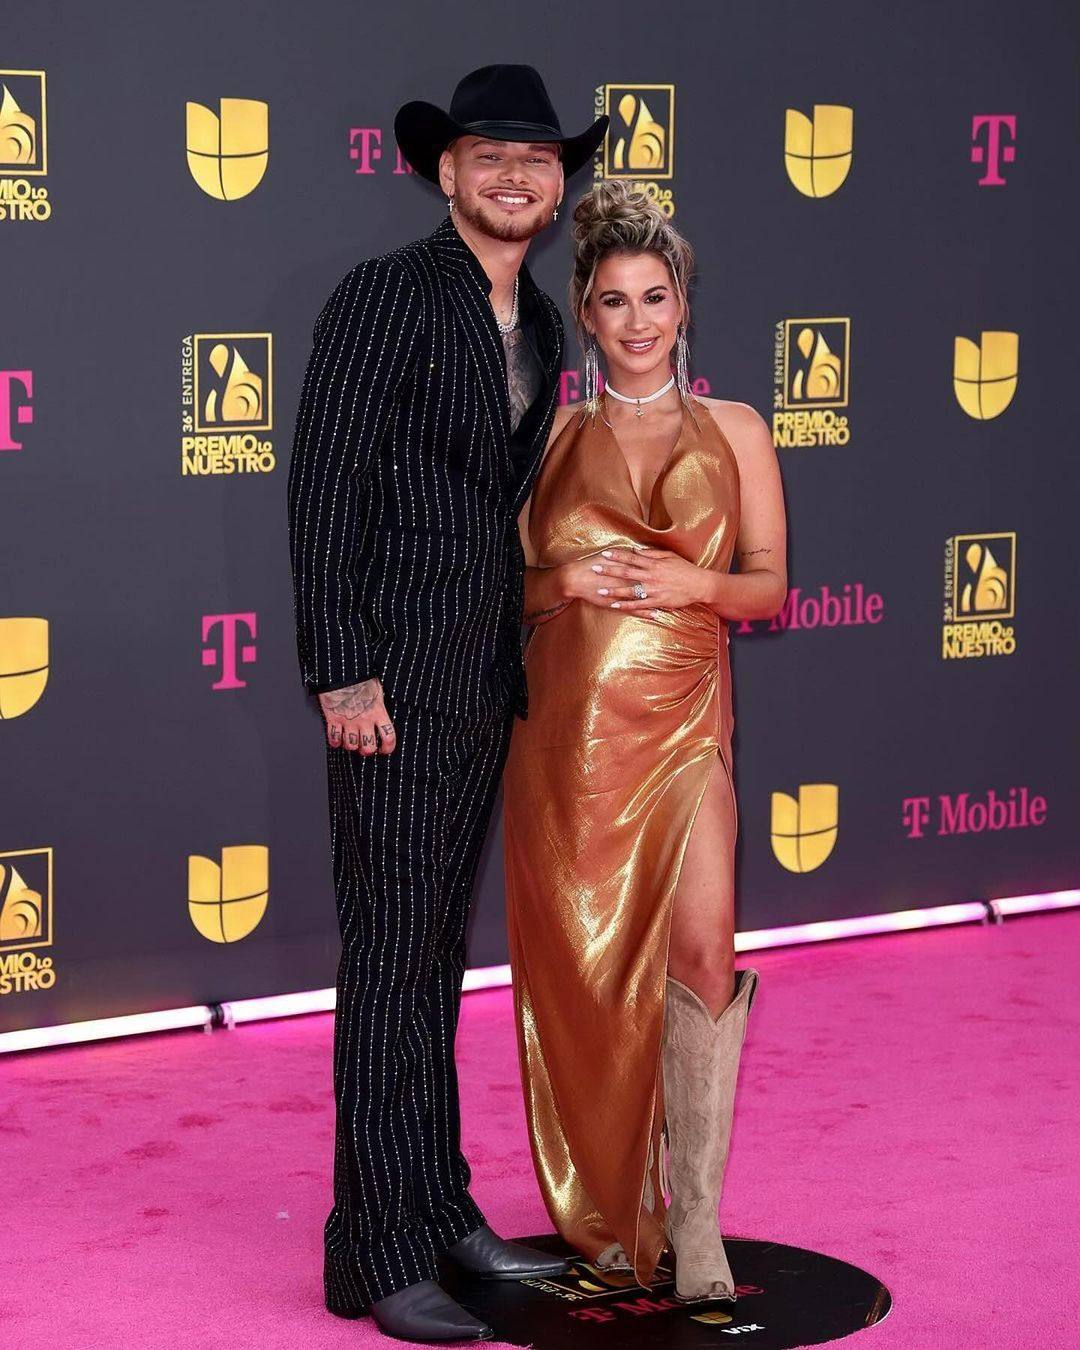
(758, 589)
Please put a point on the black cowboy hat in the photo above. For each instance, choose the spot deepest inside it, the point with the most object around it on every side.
(500, 103)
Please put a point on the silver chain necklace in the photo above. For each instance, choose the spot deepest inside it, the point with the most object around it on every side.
(647, 398)
(512, 322)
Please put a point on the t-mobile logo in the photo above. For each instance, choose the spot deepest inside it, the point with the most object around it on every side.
(24, 412)
(231, 648)
(365, 147)
(989, 150)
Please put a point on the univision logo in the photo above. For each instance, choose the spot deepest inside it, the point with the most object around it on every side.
(817, 150)
(986, 373)
(228, 150)
(24, 665)
(227, 901)
(804, 829)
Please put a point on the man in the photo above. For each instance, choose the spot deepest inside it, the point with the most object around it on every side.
(424, 413)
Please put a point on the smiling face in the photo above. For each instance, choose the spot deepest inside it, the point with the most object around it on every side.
(507, 190)
(634, 311)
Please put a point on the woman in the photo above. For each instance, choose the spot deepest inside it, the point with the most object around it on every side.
(619, 804)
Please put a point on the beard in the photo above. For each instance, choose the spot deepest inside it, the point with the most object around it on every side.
(507, 229)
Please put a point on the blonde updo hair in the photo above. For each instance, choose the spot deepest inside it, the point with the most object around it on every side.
(613, 217)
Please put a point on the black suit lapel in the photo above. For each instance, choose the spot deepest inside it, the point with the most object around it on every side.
(469, 288)
(545, 339)
(486, 350)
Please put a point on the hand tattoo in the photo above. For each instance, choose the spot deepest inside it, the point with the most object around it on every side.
(354, 701)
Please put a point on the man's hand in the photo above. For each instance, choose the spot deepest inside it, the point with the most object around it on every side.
(356, 718)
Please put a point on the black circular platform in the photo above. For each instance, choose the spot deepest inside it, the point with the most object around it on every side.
(787, 1297)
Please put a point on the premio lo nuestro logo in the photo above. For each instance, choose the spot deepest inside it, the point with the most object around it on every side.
(228, 150)
(803, 829)
(227, 900)
(226, 400)
(986, 373)
(980, 595)
(24, 155)
(811, 379)
(26, 920)
(24, 665)
(640, 142)
(817, 149)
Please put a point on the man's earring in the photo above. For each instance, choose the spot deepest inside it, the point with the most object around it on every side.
(450, 203)
(555, 215)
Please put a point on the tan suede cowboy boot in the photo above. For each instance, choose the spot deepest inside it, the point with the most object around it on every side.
(701, 1065)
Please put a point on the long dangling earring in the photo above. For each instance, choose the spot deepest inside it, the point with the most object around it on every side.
(555, 214)
(682, 364)
(592, 378)
(450, 203)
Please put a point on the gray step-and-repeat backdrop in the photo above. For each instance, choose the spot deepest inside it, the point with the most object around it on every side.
(884, 201)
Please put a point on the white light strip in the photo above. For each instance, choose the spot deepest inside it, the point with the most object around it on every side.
(323, 1000)
(486, 977)
(1034, 904)
(68, 1033)
(279, 1005)
(826, 930)
(497, 977)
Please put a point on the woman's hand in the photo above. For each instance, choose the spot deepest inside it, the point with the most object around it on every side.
(587, 579)
(669, 580)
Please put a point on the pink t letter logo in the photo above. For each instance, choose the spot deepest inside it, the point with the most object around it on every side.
(993, 154)
(365, 145)
(24, 414)
(229, 625)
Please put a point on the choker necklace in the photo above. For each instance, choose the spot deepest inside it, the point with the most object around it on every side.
(648, 398)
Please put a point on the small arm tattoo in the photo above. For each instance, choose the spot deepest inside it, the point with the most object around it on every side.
(538, 615)
(749, 553)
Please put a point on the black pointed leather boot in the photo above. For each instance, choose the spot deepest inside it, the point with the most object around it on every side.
(424, 1312)
(486, 1254)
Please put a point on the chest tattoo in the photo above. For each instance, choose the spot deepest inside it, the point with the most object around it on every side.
(522, 375)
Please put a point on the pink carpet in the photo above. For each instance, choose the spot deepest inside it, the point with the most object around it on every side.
(909, 1104)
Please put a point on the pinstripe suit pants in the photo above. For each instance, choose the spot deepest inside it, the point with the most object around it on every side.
(406, 833)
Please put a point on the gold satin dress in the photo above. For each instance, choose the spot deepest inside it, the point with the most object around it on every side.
(629, 714)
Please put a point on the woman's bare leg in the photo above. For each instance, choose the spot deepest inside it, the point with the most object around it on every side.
(702, 952)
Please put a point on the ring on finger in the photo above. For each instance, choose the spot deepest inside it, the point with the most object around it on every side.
(640, 591)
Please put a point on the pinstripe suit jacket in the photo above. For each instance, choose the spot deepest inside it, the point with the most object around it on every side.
(405, 483)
